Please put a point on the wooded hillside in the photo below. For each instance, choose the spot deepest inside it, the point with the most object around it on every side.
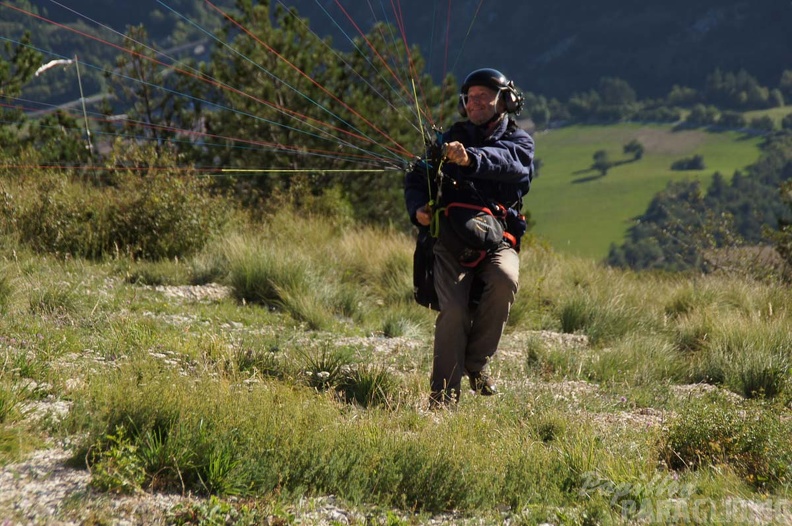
(551, 48)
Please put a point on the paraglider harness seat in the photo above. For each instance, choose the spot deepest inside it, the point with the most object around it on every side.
(469, 231)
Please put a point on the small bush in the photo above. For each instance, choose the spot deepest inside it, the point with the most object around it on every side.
(753, 442)
(150, 216)
(115, 466)
(165, 216)
(216, 511)
(56, 216)
(689, 163)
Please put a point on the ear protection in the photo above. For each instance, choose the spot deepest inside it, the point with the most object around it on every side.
(513, 98)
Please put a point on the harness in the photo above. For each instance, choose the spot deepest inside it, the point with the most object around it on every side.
(469, 229)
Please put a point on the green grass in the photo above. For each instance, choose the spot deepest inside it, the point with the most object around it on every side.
(254, 407)
(580, 213)
(777, 114)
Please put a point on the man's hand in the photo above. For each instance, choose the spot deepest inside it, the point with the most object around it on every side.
(454, 152)
(424, 215)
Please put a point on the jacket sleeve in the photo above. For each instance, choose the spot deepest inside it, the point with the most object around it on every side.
(508, 159)
(416, 191)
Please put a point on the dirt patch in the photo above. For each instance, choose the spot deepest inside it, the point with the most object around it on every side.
(200, 293)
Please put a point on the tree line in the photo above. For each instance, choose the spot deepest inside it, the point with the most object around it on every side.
(722, 103)
(688, 228)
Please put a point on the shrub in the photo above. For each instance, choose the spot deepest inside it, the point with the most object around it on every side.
(712, 433)
(115, 466)
(165, 216)
(763, 123)
(689, 163)
(151, 217)
(216, 511)
(55, 216)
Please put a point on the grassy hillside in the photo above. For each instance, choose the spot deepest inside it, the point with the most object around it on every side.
(581, 212)
(295, 391)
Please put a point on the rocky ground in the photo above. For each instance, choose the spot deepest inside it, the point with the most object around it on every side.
(43, 489)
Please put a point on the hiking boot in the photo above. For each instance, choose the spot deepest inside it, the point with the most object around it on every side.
(443, 399)
(482, 384)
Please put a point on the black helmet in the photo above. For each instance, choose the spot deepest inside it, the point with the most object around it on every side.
(495, 80)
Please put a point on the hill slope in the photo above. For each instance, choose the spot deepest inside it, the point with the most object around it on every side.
(553, 48)
(581, 212)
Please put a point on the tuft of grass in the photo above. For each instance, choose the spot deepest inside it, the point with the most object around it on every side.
(326, 367)
(762, 374)
(549, 426)
(279, 277)
(691, 334)
(687, 300)
(157, 273)
(369, 386)
(576, 315)
(6, 291)
(59, 300)
(755, 359)
(604, 319)
(264, 358)
(403, 322)
(208, 267)
(261, 275)
(9, 402)
(637, 360)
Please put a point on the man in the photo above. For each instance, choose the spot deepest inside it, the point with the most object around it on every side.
(488, 163)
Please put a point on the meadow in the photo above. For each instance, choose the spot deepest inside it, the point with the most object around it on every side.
(581, 212)
(625, 398)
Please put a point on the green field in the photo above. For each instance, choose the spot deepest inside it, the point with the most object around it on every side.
(777, 114)
(580, 212)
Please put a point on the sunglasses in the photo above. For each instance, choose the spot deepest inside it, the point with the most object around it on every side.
(482, 98)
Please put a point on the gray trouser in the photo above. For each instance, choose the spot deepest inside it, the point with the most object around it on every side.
(465, 339)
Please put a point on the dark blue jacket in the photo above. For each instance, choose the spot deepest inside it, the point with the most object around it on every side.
(501, 169)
